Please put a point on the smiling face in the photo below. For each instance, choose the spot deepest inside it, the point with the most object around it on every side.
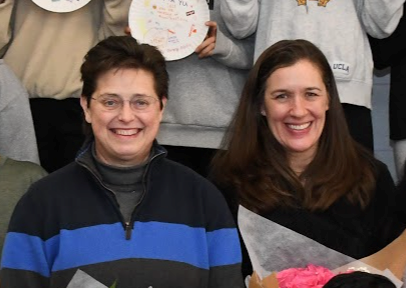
(295, 104)
(123, 137)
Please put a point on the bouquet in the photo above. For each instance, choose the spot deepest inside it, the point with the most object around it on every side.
(293, 263)
(311, 276)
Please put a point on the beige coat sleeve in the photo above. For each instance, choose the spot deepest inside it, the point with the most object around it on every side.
(6, 7)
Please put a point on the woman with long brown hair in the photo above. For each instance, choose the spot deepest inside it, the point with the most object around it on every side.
(289, 157)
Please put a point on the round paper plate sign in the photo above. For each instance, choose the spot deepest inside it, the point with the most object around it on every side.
(61, 6)
(175, 27)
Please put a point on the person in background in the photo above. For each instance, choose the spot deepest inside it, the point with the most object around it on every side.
(205, 88)
(15, 178)
(338, 27)
(391, 52)
(122, 213)
(45, 50)
(300, 168)
(359, 279)
(17, 135)
(401, 196)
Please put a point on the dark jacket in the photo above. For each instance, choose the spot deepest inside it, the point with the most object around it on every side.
(343, 227)
(181, 234)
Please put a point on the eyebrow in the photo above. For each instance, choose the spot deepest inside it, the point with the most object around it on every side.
(287, 90)
(314, 88)
(118, 96)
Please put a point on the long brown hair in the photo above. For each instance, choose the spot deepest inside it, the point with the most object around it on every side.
(253, 164)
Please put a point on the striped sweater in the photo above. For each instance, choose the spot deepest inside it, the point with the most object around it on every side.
(181, 235)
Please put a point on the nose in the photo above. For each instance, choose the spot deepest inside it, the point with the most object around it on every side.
(126, 114)
(298, 108)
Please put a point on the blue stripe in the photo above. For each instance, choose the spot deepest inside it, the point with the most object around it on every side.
(102, 243)
(21, 251)
(224, 247)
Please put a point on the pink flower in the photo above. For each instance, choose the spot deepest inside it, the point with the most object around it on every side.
(311, 276)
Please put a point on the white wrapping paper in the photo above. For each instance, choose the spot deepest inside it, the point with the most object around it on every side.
(272, 248)
(83, 280)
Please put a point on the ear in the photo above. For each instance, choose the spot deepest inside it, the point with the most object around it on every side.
(161, 112)
(86, 109)
(164, 100)
(263, 113)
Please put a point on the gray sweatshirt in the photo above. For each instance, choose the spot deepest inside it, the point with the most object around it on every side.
(338, 27)
(203, 93)
(17, 134)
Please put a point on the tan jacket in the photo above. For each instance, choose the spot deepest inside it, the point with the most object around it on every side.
(45, 49)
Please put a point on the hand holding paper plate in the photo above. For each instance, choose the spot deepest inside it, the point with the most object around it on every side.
(61, 6)
(175, 27)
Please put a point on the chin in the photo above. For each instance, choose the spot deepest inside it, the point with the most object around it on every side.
(301, 149)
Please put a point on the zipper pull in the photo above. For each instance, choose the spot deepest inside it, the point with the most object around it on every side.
(127, 231)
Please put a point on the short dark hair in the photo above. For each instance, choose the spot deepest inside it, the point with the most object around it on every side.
(122, 52)
(359, 279)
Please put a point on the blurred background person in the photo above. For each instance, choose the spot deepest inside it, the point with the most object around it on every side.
(45, 50)
(17, 135)
(204, 89)
(391, 52)
(15, 179)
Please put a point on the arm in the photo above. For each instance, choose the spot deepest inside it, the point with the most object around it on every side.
(392, 257)
(114, 18)
(234, 53)
(222, 242)
(380, 18)
(26, 255)
(388, 225)
(17, 134)
(6, 7)
(226, 49)
(240, 16)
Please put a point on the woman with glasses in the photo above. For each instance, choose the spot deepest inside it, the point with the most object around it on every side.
(122, 213)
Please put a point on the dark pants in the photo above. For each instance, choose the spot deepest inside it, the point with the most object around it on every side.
(359, 121)
(58, 128)
(196, 158)
(397, 100)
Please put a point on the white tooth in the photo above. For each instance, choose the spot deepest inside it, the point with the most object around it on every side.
(126, 132)
(299, 127)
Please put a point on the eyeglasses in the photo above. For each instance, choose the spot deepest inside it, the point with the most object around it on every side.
(137, 103)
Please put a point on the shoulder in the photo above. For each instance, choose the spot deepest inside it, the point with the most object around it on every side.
(171, 182)
(185, 180)
(24, 169)
(178, 173)
(379, 168)
(382, 172)
(70, 178)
